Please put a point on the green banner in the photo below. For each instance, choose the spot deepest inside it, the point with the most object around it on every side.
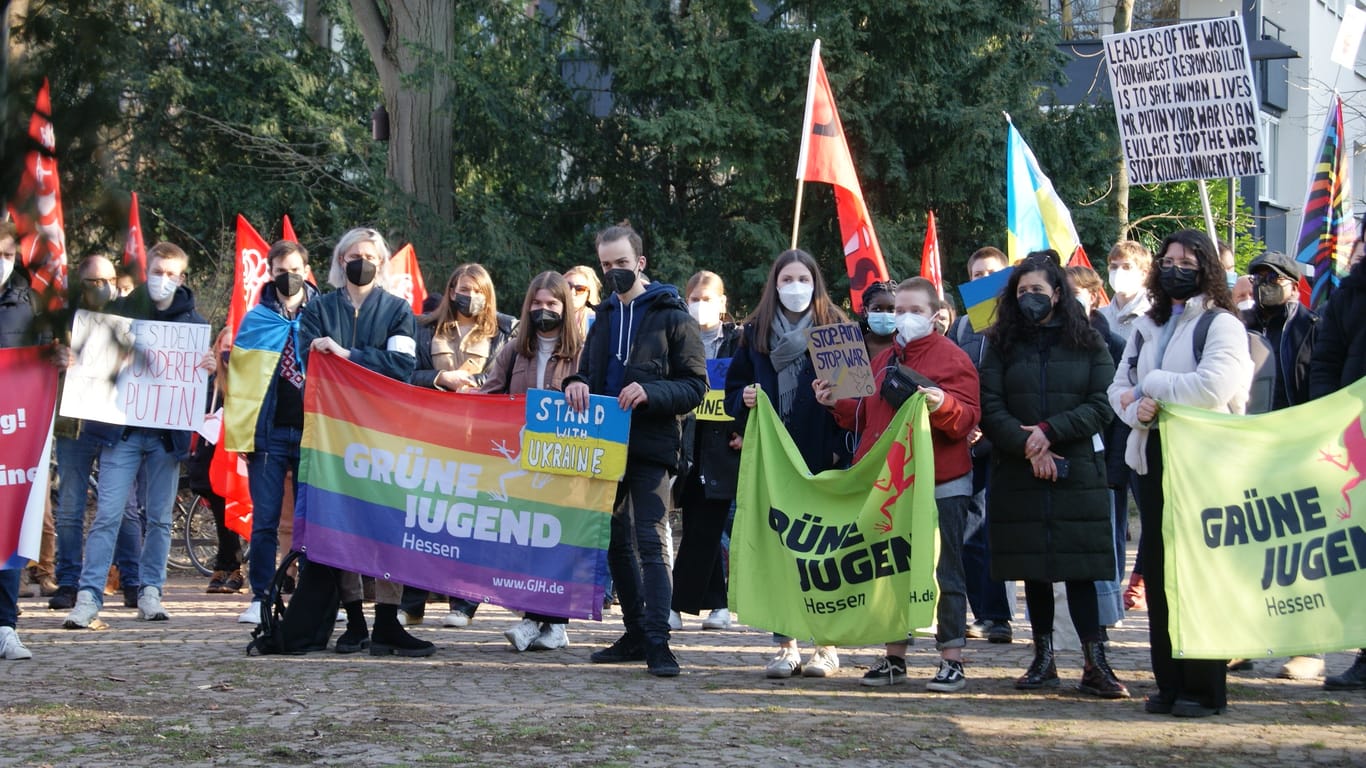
(1265, 547)
(842, 558)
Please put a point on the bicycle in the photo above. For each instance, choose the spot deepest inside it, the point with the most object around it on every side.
(194, 535)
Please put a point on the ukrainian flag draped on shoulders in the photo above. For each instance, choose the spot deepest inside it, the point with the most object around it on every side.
(256, 354)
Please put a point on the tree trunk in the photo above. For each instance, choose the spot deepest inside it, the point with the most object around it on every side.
(1124, 18)
(317, 26)
(403, 36)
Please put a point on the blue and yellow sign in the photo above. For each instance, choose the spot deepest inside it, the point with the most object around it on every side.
(561, 441)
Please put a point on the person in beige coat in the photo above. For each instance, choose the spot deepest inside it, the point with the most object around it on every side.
(1161, 365)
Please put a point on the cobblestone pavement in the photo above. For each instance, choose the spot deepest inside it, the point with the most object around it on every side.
(182, 692)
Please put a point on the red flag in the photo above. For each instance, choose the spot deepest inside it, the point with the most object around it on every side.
(405, 278)
(929, 258)
(37, 209)
(825, 158)
(134, 251)
(287, 230)
(228, 476)
(250, 272)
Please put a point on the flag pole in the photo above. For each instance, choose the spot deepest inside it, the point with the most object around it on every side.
(806, 138)
(1209, 215)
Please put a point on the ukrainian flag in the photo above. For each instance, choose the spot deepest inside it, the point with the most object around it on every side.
(255, 356)
(1035, 216)
(980, 295)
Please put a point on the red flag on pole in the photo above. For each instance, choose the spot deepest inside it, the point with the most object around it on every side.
(287, 230)
(37, 209)
(405, 278)
(825, 158)
(134, 250)
(250, 272)
(929, 258)
(228, 476)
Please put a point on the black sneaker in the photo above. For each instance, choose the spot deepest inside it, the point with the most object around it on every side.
(949, 678)
(999, 632)
(628, 647)
(1353, 678)
(891, 670)
(660, 660)
(130, 597)
(64, 600)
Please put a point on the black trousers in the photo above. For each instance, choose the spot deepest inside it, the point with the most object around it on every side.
(1202, 680)
(699, 569)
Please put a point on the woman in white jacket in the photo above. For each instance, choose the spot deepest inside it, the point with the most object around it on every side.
(1161, 365)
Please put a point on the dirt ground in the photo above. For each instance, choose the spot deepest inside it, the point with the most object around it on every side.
(183, 693)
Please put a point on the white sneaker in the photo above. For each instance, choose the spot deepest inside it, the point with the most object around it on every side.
(522, 634)
(456, 619)
(824, 662)
(675, 621)
(719, 618)
(552, 637)
(787, 663)
(85, 613)
(149, 605)
(1302, 668)
(408, 619)
(252, 615)
(341, 615)
(11, 647)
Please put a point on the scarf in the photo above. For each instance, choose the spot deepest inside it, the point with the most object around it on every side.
(787, 352)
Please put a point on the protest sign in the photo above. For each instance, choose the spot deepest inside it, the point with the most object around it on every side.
(713, 407)
(433, 495)
(30, 383)
(1272, 543)
(846, 557)
(840, 357)
(562, 441)
(141, 373)
(1186, 102)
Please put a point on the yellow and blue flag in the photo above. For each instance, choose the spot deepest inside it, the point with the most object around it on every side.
(1036, 217)
(980, 295)
(256, 353)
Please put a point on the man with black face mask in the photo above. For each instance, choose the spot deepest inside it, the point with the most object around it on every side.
(1287, 324)
(264, 407)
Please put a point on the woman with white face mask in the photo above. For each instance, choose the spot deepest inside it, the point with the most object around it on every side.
(772, 356)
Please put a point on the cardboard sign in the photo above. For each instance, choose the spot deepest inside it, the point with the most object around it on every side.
(561, 441)
(713, 407)
(1186, 102)
(140, 373)
(841, 358)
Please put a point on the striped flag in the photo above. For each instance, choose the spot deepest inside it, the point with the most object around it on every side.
(1036, 217)
(1328, 230)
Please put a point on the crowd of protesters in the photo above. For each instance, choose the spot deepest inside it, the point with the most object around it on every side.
(1043, 425)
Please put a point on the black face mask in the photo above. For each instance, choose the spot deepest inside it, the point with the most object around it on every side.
(1178, 282)
(466, 305)
(1270, 295)
(98, 297)
(546, 320)
(1035, 307)
(619, 280)
(289, 284)
(360, 272)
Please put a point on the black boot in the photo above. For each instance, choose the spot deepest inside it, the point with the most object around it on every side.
(1354, 677)
(390, 636)
(1042, 672)
(1097, 678)
(357, 636)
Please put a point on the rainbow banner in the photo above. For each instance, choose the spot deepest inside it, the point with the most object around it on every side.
(432, 494)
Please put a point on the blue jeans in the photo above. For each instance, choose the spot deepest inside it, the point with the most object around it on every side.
(266, 471)
(636, 555)
(119, 465)
(75, 458)
(9, 597)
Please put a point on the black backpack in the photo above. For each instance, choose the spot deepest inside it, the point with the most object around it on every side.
(1261, 393)
(304, 624)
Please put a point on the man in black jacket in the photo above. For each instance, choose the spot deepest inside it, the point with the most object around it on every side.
(646, 351)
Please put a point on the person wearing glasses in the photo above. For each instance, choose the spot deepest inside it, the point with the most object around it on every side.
(1189, 281)
(585, 289)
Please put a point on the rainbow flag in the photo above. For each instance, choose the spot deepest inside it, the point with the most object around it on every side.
(1036, 217)
(432, 494)
(980, 295)
(256, 352)
(1328, 231)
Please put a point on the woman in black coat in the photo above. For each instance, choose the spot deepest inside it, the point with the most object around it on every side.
(1044, 408)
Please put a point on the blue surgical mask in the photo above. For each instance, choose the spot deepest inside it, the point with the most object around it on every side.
(882, 323)
(1232, 277)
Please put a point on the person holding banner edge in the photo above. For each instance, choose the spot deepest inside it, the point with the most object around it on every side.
(645, 350)
(1044, 382)
(541, 356)
(364, 323)
(773, 355)
(1160, 364)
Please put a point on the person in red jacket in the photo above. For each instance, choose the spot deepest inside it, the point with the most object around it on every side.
(954, 412)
